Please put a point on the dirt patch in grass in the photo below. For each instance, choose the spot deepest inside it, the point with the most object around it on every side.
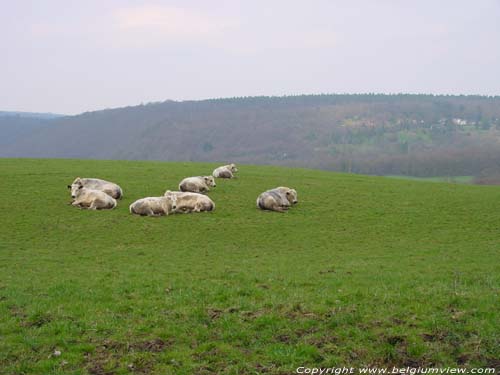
(401, 355)
(37, 320)
(98, 362)
(152, 346)
(252, 315)
(104, 360)
(17, 312)
(435, 336)
(329, 270)
(285, 339)
(493, 363)
(321, 341)
(214, 314)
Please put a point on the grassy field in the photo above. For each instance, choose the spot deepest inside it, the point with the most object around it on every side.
(364, 270)
(449, 179)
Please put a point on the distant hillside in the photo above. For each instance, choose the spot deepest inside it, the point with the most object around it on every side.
(419, 135)
(30, 115)
(14, 126)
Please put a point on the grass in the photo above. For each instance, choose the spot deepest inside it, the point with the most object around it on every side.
(449, 179)
(364, 270)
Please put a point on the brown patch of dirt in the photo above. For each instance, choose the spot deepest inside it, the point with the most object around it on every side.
(217, 313)
(284, 338)
(37, 321)
(306, 331)
(97, 361)
(463, 359)
(321, 341)
(214, 313)
(403, 358)
(152, 346)
(435, 336)
(298, 312)
(251, 315)
(493, 363)
(398, 321)
(141, 366)
(208, 355)
(17, 312)
(262, 369)
(395, 340)
(105, 352)
(330, 270)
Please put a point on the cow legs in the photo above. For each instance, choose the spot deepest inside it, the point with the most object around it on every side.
(94, 205)
(77, 203)
(150, 212)
(279, 209)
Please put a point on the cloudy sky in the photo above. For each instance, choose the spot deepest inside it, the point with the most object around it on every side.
(70, 56)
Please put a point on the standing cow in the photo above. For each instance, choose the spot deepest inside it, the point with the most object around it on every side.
(225, 171)
(110, 188)
(199, 184)
(278, 199)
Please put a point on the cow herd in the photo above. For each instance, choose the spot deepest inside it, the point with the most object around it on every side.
(97, 194)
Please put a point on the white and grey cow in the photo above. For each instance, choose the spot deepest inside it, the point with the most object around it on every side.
(225, 171)
(278, 199)
(198, 184)
(188, 202)
(155, 206)
(91, 199)
(110, 188)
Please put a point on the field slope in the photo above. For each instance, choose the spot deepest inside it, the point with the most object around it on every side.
(365, 270)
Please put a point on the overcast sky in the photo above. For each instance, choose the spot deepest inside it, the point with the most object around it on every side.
(69, 56)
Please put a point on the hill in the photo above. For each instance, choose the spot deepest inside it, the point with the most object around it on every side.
(37, 115)
(364, 271)
(416, 135)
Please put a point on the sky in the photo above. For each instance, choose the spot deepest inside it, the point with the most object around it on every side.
(72, 56)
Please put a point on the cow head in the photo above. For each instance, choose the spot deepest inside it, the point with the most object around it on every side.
(291, 195)
(209, 180)
(171, 199)
(233, 168)
(75, 186)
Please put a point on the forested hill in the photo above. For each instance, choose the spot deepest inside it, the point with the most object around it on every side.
(419, 135)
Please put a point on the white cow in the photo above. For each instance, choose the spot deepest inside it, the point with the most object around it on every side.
(192, 202)
(91, 199)
(278, 199)
(154, 206)
(109, 188)
(225, 171)
(199, 184)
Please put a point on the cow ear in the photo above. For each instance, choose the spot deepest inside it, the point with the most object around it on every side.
(69, 186)
(288, 192)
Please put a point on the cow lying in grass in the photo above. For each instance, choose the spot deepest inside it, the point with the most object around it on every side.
(225, 171)
(91, 199)
(110, 188)
(192, 202)
(154, 206)
(278, 199)
(199, 184)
